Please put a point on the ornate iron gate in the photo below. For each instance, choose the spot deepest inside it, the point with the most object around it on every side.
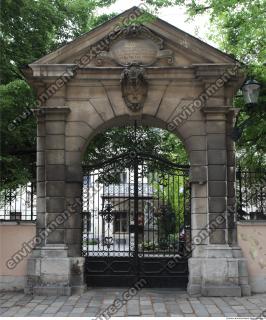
(136, 222)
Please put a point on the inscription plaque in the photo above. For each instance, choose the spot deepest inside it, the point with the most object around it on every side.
(135, 44)
(139, 51)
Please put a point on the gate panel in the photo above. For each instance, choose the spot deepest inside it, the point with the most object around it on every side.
(136, 215)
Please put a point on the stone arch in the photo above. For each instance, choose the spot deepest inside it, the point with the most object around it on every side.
(89, 99)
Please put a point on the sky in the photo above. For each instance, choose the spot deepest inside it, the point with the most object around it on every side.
(176, 16)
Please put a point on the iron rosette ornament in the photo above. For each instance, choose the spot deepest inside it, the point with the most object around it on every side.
(134, 86)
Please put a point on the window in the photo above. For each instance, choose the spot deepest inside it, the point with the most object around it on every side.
(123, 177)
(87, 221)
(121, 222)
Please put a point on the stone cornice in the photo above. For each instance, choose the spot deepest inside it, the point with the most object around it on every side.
(40, 112)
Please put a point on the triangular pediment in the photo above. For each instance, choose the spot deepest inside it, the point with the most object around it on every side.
(155, 43)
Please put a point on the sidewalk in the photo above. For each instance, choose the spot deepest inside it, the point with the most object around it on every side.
(148, 302)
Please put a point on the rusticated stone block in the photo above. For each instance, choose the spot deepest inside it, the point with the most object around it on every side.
(199, 205)
(216, 127)
(55, 189)
(56, 237)
(198, 174)
(217, 188)
(74, 173)
(55, 172)
(55, 205)
(198, 158)
(55, 127)
(199, 191)
(73, 236)
(196, 143)
(55, 142)
(217, 236)
(218, 220)
(216, 141)
(55, 156)
(217, 204)
(40, 158)
(217, 156)
(199, 220)
(217, 172)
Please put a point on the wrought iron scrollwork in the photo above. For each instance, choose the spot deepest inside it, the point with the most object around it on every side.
(108, 242)
(107, 214)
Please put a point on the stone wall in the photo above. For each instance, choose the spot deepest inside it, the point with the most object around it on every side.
(13, 236)
(252, 240)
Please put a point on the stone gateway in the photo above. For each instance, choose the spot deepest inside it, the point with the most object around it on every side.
(170, 80)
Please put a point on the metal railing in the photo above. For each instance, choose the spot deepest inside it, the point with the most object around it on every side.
(122, 189)
(251, 194)
(19, 204)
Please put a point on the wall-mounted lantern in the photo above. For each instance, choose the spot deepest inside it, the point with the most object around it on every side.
(250, 91)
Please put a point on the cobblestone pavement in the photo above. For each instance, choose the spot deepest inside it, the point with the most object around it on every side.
(148, 302)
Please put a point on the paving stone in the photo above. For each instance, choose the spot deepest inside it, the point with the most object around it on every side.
(243, 314)
(23, 311)
(61, 314)
(40, 307)
(238, 308)
(51, 310)
(147, 313)
(228, 314)
(186, 308)
(35, 313)
(78, 310)
(10, 312)
(150, 303)
(159, 307)
(160, 314)
(212, 309)
(2, 310)
(8, 304)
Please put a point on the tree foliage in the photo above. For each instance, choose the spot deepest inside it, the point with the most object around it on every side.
(147, 140)
(29, 30)
(17, 146)
(239, 29)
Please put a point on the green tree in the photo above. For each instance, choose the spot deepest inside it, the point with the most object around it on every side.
(29, 30)
(148, 140)
(239, 28)
(18, 146)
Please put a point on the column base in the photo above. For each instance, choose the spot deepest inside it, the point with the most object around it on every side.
(220, 271)
(52, 272)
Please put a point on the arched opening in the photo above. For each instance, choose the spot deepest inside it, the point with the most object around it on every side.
(136, 208)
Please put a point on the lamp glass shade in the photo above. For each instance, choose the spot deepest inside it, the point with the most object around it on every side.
(251, 90)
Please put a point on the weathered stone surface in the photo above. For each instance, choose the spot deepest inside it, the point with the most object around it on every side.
(216, 156)
(55, 142)
(92, 101)
(55, 189)
(218, 236)
(217, 188)
(198, 174)
(217, 204)
(216, 141)
(55, 172)
(217, 172)
(55, 205)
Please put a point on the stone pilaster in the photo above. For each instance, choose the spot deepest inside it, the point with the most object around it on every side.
(51, 270)
(218, 269)
(40, 180)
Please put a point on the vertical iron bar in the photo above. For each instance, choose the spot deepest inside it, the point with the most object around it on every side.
(136, 208)
(31, 200)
